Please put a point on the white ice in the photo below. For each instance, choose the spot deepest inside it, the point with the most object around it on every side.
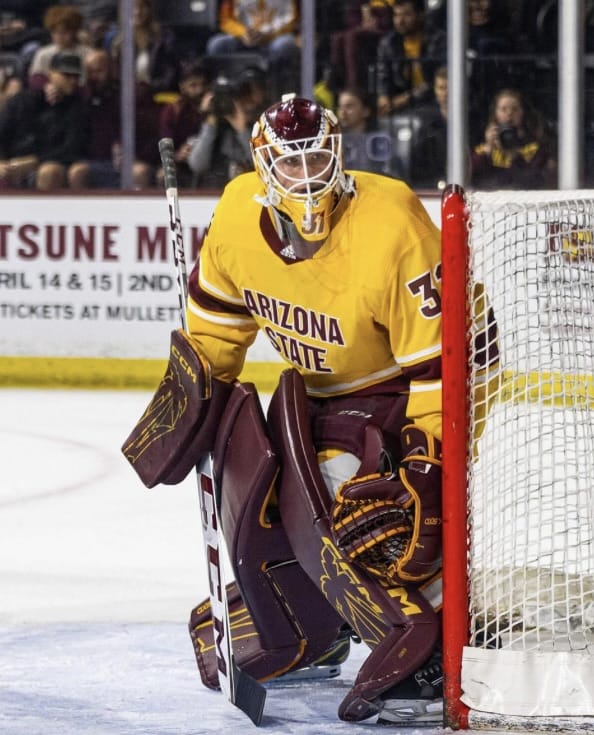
(97, 579)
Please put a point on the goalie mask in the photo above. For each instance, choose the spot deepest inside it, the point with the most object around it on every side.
(297, 151)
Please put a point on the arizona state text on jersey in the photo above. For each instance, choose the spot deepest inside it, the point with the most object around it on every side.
(364, 310)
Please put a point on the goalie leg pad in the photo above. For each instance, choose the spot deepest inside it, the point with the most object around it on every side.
(251, 656)
(279, 619)
(180, 423)
(379, 672)
(398, 623)
(202, 633)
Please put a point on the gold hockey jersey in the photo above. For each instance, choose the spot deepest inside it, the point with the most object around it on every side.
(364, 310)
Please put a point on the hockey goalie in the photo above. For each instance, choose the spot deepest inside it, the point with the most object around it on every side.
(329, 502)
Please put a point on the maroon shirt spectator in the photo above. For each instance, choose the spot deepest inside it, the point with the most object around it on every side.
(102, 168)
(103, 99)
(353, 50)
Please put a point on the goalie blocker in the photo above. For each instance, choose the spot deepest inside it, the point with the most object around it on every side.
(179, 424)
(308, 568)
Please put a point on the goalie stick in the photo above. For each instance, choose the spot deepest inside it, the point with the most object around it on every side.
(240, 688)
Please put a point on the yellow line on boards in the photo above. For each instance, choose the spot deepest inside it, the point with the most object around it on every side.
(549, 388)
(110, 373)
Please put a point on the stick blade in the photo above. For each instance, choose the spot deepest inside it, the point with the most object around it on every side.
(248, 694)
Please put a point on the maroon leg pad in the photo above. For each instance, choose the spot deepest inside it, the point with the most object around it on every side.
(250, 655)
(202, 634)
(292, 624)
(398, 623)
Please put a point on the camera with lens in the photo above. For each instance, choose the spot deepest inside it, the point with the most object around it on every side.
(223, 97)
(508, 137)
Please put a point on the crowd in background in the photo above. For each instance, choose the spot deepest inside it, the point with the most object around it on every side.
(380, 65)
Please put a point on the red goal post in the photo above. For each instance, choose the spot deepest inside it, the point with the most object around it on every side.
(518, 459)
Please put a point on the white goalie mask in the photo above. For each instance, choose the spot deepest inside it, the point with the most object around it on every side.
(297, 151)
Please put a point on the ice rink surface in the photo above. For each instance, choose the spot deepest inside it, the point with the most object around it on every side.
(97, 579)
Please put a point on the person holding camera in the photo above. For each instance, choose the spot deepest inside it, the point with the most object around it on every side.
(221, 150)
(515, 152)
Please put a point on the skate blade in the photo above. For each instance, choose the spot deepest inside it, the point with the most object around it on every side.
(412, 712)
(307, 673)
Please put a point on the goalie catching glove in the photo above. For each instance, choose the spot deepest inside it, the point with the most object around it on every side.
(390, 524)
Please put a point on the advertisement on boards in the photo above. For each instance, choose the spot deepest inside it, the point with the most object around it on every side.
(93, 276)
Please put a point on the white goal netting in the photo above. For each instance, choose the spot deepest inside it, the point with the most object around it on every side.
(531, 478)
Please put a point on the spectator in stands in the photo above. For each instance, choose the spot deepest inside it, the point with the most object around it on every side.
(515, 152)
(63, 23)
(156, 60)
(488, 41)
(181, 120)
(17, 17)
(43, 131)
(523, 16)
(430, 149)
(364, 147)
(254, 92)
(222, 149)
(101, 167)
(355, 111)
(21, 28)
(353, 50)
(487, 27)
(436, 15)
(100, 18)
(267, 27)
(331, 17)
(10, 84)
(407, 58)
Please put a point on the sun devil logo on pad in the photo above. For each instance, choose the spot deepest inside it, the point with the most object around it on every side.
(162, 415)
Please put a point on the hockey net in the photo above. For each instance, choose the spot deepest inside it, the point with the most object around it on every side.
(518, 459)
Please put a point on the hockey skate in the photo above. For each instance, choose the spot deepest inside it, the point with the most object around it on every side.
(418, 700)
(327, 666)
